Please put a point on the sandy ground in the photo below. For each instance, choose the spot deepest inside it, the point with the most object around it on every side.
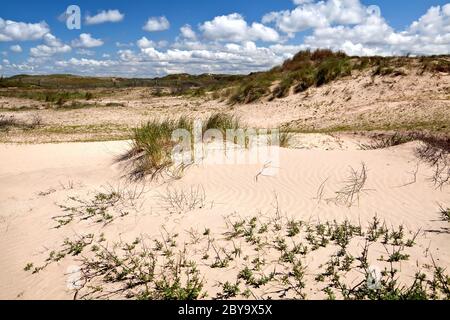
(360, 102)
(36, 179)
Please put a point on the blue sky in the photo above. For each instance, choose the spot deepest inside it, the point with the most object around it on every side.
(209, 35)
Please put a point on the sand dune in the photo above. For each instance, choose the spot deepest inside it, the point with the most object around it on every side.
(36, 179)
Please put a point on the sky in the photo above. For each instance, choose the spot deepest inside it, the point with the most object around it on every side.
(137, 38)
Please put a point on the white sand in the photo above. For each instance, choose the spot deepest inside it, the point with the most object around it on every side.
(35, 178)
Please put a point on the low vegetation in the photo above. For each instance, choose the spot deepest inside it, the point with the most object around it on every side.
(445, 213)
(10, 122)
(316, 68)
(433, 151)
(58, 97)
(306, 69)
(265, 257)
(150, 154)
(386, 141)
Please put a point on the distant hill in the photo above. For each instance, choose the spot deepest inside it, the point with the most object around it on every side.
(306, 69)
(67, 81)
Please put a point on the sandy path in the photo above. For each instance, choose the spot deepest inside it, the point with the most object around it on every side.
(34, 179)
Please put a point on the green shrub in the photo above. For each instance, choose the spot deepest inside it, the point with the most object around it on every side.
(251, 92)
(282, 90)
(331, 69)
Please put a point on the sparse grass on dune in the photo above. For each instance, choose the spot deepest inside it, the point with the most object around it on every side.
(152, 146)
(10, 122)
(53, 96)
(445, 213)
(316, 68)
(285, 138)
(152, 143)
(384, 141)
(434, 151)
(222, 122)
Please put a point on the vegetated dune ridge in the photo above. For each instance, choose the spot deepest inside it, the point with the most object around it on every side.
(408, 97)
(35, 180)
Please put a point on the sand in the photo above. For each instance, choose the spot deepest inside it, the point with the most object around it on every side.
(359, 102)
(36, 179)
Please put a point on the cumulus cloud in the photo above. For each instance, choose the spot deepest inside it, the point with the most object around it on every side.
(145, 43)
(234, 28)
(105, 16)
(85, 52)
(187, 32)
(51, 46)
(217, 58)
(124, 45)
(298, 2)
(157, 24)
(230, 44)
(317, 15)
(356, 29)
(373, 36)
(83, 62)
(21, 31)
(86, 41)
(16, 48)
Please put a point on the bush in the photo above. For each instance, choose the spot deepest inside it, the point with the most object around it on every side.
(251, 92)
(305, 79)
(282, 90)
(331, 69)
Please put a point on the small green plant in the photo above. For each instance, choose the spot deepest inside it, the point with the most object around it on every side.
(229, 290)
(28, 267)
(103, 208)
(445, 214)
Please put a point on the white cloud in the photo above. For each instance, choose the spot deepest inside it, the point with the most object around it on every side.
(51, 46)
(83, 62)
(229, 44)
(21, 31)
(187, 32)
(145, 43)
(234, 28)
(373, 36)
(317, 15)
(124, 45)
(85, 52)
(157, 24)
(105, 16)
(16, 48)
(47, 51)
(86, 41)
(298, 2)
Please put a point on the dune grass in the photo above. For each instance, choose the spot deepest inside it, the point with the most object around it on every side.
(383, 141)
(150, 154)
(53, 96)
(152, 145)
